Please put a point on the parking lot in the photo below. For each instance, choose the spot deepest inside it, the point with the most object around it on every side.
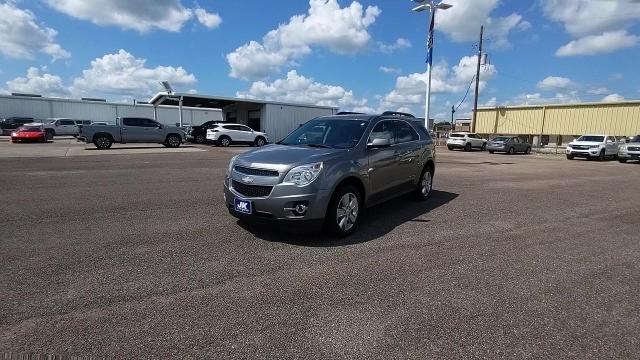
(131, 253)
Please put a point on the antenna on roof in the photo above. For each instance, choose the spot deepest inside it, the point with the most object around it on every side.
(396, 113)
(167, 86)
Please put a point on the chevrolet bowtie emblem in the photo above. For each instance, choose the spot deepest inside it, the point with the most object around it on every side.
(248, 179)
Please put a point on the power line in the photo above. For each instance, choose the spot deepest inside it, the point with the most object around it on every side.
(466, 93)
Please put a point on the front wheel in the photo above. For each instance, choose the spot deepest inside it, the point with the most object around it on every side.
(569, 157)
(528, 151)
(173, 141)
(425, 185)
(102, 142)
(467, 147)
(602, 156)
(621, 160)
(224, 141)
(484, 147)
(49, 133)
(344, 211)
(450, 148)
(491, 151)
(199, 139)
(260, 141)
(511, 151)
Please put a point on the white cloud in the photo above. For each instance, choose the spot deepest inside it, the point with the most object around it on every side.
(491, 102)
(613, 98)
(342, 30)
(140, 15)
(210, 20)
(125, 75)
(390, 70)
(599, 91)
(581, 17)
(462, 22)
(21, 36)
(410, 90)
(616, 76)
(538, 99)
(299, 89)
(555, 83)
(400, 43)
(36, 83)
(599, 44)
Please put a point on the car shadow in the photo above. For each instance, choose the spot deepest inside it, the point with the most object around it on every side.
(377, 221)
(138, 147)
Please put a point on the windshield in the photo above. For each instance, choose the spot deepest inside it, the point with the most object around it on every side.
(457, 135)
(330, 133)
(29, 129)
(500, 139)
(635, 139)
(591, 138)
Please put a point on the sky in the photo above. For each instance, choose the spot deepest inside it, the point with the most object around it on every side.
(366, 56)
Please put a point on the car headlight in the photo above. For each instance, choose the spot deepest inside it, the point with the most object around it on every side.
(231, 162)
(623, 147)
(594, 146)
(14, 134)
(303, 175)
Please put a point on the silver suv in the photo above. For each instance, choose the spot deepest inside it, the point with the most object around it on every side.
(331, 168)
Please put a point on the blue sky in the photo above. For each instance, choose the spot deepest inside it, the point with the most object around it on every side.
(358, 55)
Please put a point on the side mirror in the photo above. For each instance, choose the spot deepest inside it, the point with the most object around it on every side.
(159, 126)
(379, 143)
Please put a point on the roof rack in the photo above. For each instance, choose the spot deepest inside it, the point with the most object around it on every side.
(396, 113)
(349, 113)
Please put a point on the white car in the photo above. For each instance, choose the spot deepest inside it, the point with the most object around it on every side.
(593, 147)
(466, 141)
(227, 134)
(63, 126)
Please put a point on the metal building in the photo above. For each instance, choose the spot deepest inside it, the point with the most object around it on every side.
(39, 107)
(614, 118)
(277, 119)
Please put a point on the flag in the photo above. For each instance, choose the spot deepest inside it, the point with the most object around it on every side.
(430, 40)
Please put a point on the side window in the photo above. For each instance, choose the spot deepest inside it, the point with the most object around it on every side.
(405, 133)
(383, 130)
(131, 122)
(515, 140)
(612, 138)
(245, 128)
(148, 123)
(67, 122)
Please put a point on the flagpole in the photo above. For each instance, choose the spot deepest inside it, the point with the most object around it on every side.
(430, 39)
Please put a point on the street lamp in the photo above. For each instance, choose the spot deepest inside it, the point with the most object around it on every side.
(433, 7)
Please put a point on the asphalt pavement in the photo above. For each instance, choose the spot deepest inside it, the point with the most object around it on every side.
(134, 256)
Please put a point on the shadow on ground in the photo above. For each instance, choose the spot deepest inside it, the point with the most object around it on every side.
(139, 148)
(377, 222)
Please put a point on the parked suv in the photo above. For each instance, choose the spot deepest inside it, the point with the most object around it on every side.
(8, 125)
(630, 150)
(63, 126)
(228, 134)
(329, 169)
(466, 141)
(593, 147)
(198, 134)
(509, 145)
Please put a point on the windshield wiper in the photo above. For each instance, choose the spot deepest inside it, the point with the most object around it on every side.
(319, 146)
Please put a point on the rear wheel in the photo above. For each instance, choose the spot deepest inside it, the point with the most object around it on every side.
(528, 151)
(199, 139)
(491, 151)
(569, 157)
(102, 142)
(173, 141)
(49, 134)
(622, 160)
(425, 184)
(484, 147)
(511, 151)
(467, 147)
(450, 148)
(344, 211)
(224, 141)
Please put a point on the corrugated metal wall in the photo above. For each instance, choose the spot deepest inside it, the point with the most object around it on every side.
(621, 119)
(279, 120)
(42, 108)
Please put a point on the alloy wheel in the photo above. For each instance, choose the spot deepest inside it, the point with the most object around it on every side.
(426, 185)
(347, 212)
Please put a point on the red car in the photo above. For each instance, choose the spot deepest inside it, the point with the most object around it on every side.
(29, 132)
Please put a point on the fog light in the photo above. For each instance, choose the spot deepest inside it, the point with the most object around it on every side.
(300, 208)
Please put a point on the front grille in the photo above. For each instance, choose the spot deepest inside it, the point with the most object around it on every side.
(256, 172)
(251, 190)
(633, 148)
(580, 147)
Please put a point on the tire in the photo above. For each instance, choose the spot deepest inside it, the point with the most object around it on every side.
(224, 141)
(484, 147)
(425, 185)
(569, 157)
(173, 141)
(50, 133)
(467, 147)
(450, 148)
(528, 151)
(199, 139)
(511, 151)
(622, 161)
(342, 220)
(102, 142)
(491, 151)
(260, 141)
(602, 155)
(14, 141)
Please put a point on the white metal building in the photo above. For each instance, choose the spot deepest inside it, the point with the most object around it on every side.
(275, 118)
(41, 108)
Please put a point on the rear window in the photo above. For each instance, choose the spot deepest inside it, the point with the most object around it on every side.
(457, 135)
(30, 129)
(501, 138)
(635, 139)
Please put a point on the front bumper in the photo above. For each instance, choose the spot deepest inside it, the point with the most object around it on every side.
(583, 153)
(278, 205)
(632, 155)
(497, 148)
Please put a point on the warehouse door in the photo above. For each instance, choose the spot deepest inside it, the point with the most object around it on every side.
(254, 120)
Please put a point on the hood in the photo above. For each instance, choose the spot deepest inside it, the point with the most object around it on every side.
(586, 143)
(284, 157)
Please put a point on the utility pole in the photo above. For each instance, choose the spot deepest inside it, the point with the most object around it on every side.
(453, 111)
(475, 101)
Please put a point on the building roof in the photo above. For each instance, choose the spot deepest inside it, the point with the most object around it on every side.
(539, 106)
(216, 102)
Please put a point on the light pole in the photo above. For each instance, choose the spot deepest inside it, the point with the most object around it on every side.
(433, 7)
